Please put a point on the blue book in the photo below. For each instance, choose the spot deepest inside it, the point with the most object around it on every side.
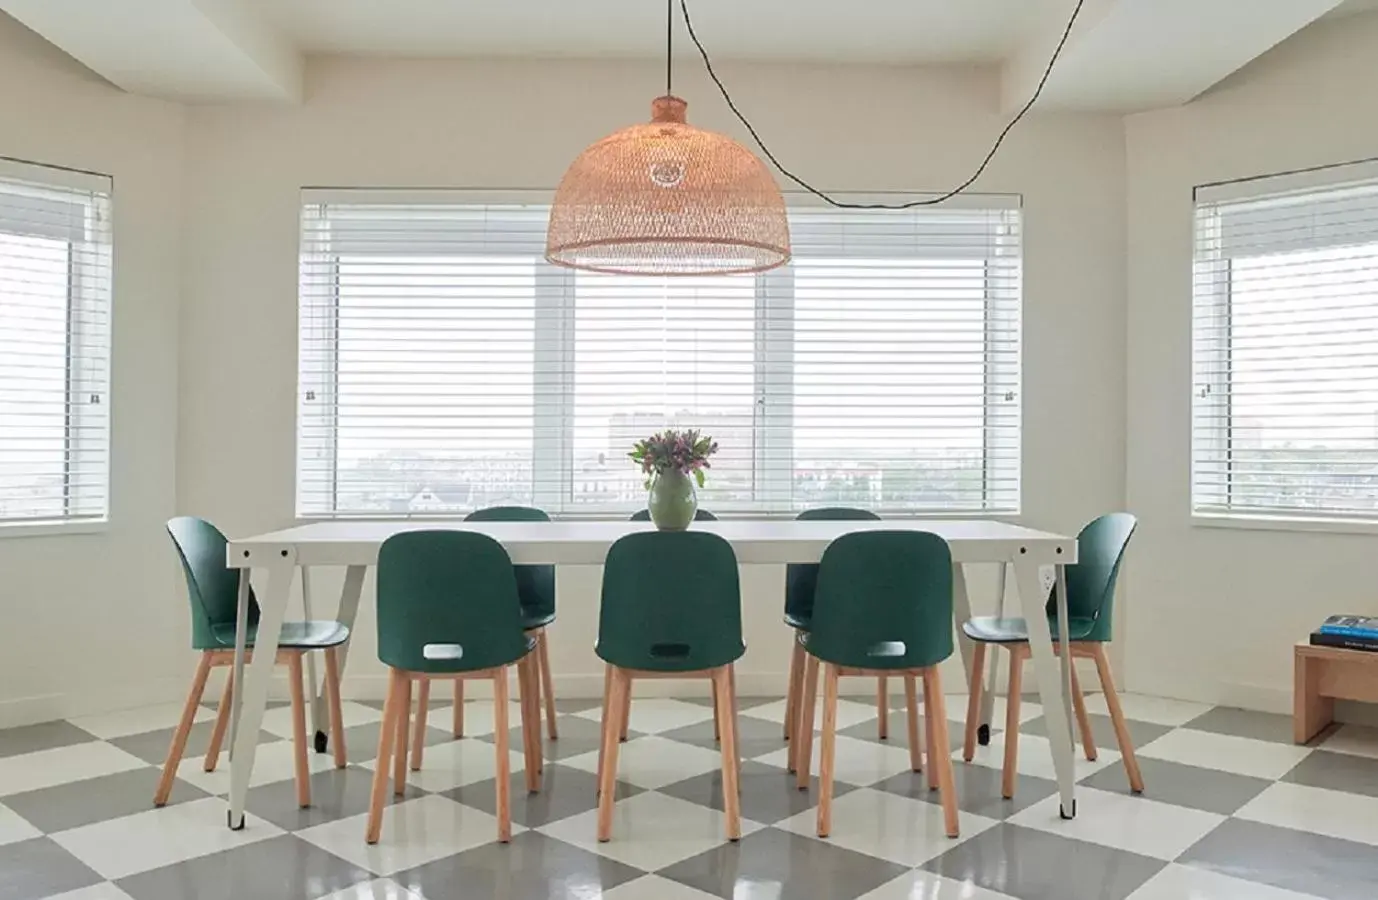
(1351, 626)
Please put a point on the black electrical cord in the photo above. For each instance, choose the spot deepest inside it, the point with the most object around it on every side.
(722, 88)
(670, 46)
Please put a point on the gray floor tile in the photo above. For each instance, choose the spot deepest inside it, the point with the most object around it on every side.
(40, 868)
(1310, 863)
(44, 736)
(531, 866)
(335, 794)
(152, 746)
(1245, 723)
(898, 733)
(768, 793)
(978, 790)
(755, 737)
(564, 792)
(1182, 785)
(92, 800)
(565, 706)
(1103, 731)
(1035, 865)
(783, 866)
(577, 735)
(284, 867)
(1338, 772)
(361, 741)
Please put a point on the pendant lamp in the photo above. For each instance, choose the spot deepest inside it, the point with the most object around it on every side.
(666, 198)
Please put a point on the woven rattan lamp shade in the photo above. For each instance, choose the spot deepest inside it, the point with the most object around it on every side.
(665, 198)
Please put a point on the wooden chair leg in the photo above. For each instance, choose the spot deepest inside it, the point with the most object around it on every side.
(882, 708)
(620, 685)
(625, 716)
(796, 672)
(459, 708)
(503, 775)
(930, 733)
(399, 757)
(803, 741)
(606, 719)
(911, 704)
(1009, 773)
(731, 786)
(332, 690)
(828, 751)
(418, 730)
(1088, 742)
(717, 719)
(547, 687)
(387, 734)
(941, 759)
(976, 679)
(179, 737)
(222, 722)
(528, 684)
(299, 741)
(1112, 702)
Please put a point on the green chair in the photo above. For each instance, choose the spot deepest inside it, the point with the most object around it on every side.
(213, 590)
(448, 608)
(1090, 603)
(700, 515)
(536, 590)
(800, 581)
(883, 605)
(671, 608)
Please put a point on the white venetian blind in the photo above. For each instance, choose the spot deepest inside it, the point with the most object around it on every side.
(1285, 325)
(446, 367)
(55, 284)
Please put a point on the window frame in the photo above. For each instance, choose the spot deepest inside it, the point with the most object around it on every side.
(772, 454)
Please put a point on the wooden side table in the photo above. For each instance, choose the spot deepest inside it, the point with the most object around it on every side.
(1324, 675)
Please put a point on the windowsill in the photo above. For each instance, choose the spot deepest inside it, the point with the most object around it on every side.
(1012, 518)
(52, 528)
(1245, 522)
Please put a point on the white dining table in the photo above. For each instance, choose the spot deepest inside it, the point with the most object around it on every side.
(354, 544)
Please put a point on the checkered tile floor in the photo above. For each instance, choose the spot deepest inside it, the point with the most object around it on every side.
(1233, 811)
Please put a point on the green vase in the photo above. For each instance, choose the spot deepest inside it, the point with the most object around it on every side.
(672, 501)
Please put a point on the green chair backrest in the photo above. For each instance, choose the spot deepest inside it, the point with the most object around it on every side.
(535, 584)
(801, 579)
(212, 586)
(671, 603)
(1091, 581)
(447, 602)
(884, 601)
(700, 515)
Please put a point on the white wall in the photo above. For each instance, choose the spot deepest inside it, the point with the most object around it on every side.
(517, 125)
(92, 621)
(1215, 611)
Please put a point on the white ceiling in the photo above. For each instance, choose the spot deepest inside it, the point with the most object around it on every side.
(1124, 55)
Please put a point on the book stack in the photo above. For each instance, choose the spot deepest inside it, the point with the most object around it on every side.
(1350, 632)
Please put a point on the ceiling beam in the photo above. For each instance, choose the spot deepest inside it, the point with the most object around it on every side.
(1132, 55)
(181, 49)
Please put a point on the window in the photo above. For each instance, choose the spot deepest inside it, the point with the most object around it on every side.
(1285, 408)
(446, 367)
(54, 345)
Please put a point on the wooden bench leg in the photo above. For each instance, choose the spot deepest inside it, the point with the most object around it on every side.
(1311, 712)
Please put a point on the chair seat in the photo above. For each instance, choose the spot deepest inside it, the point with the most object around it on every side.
(534, 620)
(314, 635)
(993, 630)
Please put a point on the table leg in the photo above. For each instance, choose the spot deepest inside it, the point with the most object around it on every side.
(961, 611)
(988, 695)
(1032, 598)
(251, 691)
(1065, 650)
(349, 611)
(314, 688)
(241, 636)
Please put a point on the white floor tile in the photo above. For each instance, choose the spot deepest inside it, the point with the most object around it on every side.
(855, 761)
(138, 720)
(1186, 883)
(117, 848)
(457, 763)
(652, 715)
(878, 823)
(378, 889)
(45, 768)
(13, 827)
(415, 832)
(1143, 708)
(650, 831)
(653, 887)
(1036, 757)
(273, 762)
(849, 712)
(1226, 753)
(106, 891)
(653, 762)
(1356, 740)
(927, 886)
(278, 720)
(478, 714)
(1350, 817)
(1028, 710)
(1123, 821)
